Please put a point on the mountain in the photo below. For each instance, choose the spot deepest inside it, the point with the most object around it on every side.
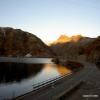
(64, 39)
(15, 42)
(73, 48)
(93, 50)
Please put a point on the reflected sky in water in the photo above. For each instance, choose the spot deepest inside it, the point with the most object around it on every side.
(17, 79)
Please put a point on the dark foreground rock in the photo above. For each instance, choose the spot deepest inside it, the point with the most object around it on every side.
(73, 65)
(56, 60)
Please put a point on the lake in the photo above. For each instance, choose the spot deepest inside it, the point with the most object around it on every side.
(19, 78)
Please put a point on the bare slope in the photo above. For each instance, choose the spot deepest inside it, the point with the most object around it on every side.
(15, 42)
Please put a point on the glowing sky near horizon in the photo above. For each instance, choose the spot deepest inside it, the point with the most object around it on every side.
(48, 19)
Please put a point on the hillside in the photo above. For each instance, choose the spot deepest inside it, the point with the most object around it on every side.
(15, 42)
(74, 48)
(93, 50)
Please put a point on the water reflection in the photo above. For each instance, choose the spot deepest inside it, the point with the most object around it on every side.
(51, 71)
(17, 78)
(63, 70)
(11, 72)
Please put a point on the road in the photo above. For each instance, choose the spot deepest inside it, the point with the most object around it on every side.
(58, 89)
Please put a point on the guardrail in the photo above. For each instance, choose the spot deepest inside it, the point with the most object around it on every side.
(49, 81)
(40, 85)
(70, 82)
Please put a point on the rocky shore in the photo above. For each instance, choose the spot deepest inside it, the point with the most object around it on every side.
(73, 65)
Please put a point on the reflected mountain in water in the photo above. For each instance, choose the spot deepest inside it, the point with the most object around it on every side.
(63, 70)
(11, 72)
(19, 78)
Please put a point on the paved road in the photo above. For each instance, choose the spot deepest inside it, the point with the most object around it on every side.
(54, 91)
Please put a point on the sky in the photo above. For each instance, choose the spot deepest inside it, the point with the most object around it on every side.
(48, 19)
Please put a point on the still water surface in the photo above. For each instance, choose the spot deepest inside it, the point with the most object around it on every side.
(18, 78)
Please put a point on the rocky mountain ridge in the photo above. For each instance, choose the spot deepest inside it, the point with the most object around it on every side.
(77, 48)
(65, 38)
(15, 42)
(18, 43)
